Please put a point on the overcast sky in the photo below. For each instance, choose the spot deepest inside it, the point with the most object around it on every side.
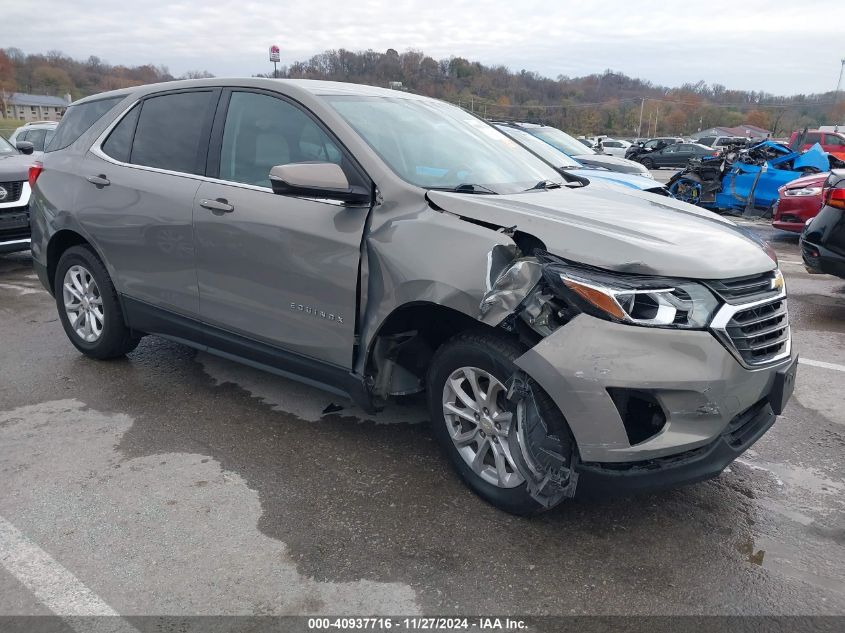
(784, 47)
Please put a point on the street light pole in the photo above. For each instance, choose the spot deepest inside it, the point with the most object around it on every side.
(836, 96)
(640, 125)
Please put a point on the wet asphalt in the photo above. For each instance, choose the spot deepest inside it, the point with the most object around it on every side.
(174, 482)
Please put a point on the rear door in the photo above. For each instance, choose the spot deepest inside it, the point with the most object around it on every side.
(139, 197)
(279, 270)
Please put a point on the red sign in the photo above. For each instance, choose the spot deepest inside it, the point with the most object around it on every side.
(274, 53)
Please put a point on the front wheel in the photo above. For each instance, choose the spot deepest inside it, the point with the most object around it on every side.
(473, 419)
(647, 163)
(88, 306)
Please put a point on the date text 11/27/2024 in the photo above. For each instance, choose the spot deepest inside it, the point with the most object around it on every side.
(417, 623)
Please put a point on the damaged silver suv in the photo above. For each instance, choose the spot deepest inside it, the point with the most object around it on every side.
(570, 335)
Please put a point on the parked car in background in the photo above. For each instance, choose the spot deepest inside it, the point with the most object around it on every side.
(798, 201)
(614, 147)
(586, 142)
(823, 239)
(14, 195)
(567, 165)
(378, 243)
(718, 142)
(831, 142)
(677, 155)
(39, 133)
(651, 145)
(574, 148)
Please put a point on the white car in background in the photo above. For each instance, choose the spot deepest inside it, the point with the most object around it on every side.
(39, 133)
(614, 148)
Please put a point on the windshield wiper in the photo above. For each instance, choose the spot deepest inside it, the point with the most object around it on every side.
(468, 187)
(545, 184)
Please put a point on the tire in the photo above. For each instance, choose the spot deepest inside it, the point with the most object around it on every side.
(100, 307)
(494, 354)
(647, 163)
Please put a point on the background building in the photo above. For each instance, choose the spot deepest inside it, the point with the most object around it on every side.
(28, 107)
(746, 130)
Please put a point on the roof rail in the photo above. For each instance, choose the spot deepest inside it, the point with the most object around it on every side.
(37, 122)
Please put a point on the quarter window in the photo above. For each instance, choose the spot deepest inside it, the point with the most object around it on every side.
(262, 131)
(78, 119)
(171, 132)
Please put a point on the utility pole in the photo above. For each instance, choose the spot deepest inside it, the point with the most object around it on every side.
(656, 114)
(640, 125)
(836, 96)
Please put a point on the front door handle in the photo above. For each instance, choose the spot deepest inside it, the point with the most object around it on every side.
(99, 181)
(220, 205)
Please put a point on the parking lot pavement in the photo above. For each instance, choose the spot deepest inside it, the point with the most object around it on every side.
(663, 175)
(174, 482)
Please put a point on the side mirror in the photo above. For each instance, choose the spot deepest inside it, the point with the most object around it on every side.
(316, 180)
(25, 147)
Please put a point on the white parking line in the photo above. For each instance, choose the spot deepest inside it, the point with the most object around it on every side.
(821, 363)
(54, 586)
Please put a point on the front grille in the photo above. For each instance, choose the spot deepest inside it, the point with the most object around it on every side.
(760, 334)
(13, 191)
(745, 289)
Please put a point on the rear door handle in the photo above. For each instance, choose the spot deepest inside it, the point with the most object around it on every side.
(100, 181)
(220, 205)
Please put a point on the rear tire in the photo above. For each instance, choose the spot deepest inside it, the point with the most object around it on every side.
(647, 163)
(88, 306)
(491, 356)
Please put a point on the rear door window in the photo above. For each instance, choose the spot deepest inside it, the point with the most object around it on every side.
(119, 143)
(833, 139)
(172, 131)
(36, 137)
(78, 119)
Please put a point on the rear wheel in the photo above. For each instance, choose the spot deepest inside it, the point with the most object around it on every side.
(472, 418)
(647, 163)
(88, 306)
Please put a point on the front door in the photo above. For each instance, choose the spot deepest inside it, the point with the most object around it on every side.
(276, 269)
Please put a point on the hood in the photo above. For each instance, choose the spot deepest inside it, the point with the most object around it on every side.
(613, 163)
(813, 180)
(15, 167)
(633, 181)
(620, 229)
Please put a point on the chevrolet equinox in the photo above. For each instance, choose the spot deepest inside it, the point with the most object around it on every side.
(569, 335)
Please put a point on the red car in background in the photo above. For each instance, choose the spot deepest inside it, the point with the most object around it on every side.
(831, 142)
(798, 201)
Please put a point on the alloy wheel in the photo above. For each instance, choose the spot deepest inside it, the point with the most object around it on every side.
(479, 422)
(83, 303)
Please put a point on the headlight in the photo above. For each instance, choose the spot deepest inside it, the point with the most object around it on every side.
(633, 299)
(803, 191)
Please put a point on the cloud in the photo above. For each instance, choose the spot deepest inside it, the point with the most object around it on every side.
(756, 45)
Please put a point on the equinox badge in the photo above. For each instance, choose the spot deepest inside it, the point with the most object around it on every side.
(315, 312)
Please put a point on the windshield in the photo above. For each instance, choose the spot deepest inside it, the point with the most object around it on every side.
(435, 145)
(542, 149)
(6, 147)
(560, 140)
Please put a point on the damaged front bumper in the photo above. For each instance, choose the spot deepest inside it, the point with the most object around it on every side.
(692, 398)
